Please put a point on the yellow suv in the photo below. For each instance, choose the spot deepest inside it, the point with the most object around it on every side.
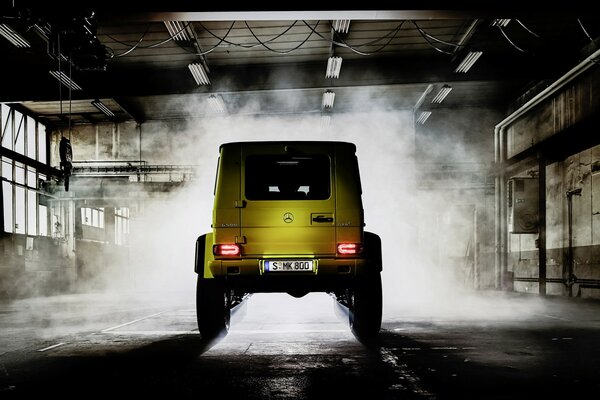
(288, 217)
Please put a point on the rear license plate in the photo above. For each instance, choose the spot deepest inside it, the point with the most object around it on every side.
(289, 266)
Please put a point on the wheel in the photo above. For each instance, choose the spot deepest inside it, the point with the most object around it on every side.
(212, 308)
(367, 307)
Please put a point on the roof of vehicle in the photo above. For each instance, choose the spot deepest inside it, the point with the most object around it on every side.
(289, 143)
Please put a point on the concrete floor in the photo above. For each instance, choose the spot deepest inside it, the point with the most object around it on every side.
(492, 346)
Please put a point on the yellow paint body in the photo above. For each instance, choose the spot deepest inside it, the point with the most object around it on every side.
(270, 228)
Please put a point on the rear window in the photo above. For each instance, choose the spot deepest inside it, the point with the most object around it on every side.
(284, 177)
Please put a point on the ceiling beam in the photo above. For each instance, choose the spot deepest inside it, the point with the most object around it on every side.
(146, 81)
(131, 110)
(257, 10)
(431, 10)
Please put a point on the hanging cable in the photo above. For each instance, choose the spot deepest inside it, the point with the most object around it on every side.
(589, 37)
(314, 31)
(432, 45)
(247, 46)
(527, 29)
(342, 44)
(135, 45)
(59, 74)
(393, 31)
(353, 47)
(70, 95)
(201, 53)
(584, 30)
(510, 41)
(262, 43)
(218, 44)
(278, 51)
(425, 34)
(152, 45)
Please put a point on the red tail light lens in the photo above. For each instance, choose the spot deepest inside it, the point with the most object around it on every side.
(349, 248)
(226, 250)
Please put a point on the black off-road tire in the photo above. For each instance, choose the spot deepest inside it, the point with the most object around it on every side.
(212, 309)
(367, 307)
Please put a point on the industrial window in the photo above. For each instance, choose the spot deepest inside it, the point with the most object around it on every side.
(283, 177)
(122, 226)
(7, 191)
(23, 212)
(92, 217)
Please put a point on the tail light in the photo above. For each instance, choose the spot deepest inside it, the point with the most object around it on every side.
(349, 248)
(226, 250)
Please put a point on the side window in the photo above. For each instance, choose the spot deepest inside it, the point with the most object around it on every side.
(216, 176)
(284, 177)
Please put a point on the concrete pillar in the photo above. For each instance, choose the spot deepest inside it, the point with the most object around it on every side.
(109, 225)
(542, 223)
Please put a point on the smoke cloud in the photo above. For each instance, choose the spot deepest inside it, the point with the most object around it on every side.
(416, 280)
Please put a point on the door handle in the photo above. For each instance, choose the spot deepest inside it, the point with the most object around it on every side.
(322, 218)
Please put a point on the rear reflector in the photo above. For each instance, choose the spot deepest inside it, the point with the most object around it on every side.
(349, 248)
(226, 250)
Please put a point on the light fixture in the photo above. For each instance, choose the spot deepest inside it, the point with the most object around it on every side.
(179, 30)
(328, 98)
(334, 65)
(325, 120)
(44, 30)
(341, 25)
(468, 62)
(423, 117)
(425, 93)
(441, 95)
(12, 36)
(65, 80)
(102, 107)
(216, 104)
(500, 22)
(199, 74)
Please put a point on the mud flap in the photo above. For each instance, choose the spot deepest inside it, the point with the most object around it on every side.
(373, 250)
(204, 255)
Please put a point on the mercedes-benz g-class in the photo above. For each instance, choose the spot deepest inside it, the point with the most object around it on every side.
(288, 217)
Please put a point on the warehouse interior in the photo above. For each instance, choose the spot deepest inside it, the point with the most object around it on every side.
(477, 136)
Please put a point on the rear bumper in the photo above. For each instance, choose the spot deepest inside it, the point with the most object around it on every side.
(330, 274)
(255, 267)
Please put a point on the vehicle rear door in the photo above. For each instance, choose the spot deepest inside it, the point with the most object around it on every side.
(289, 201)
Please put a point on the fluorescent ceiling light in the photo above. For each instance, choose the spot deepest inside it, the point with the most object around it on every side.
(428, 90)
(325, 120)
(179, 30)
(199, 74)
(500, 22)
(216, 104)
(102, 107)
(65, 80)
(12, 36)
(441, 95)
(328, 98)
(423, 117)
(43, 30)
(341, 25)
(468, 62)
(334, 65)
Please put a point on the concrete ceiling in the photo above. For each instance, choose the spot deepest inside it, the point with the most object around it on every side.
(274, 62)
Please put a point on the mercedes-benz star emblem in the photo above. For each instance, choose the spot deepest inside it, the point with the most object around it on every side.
(288, 217)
